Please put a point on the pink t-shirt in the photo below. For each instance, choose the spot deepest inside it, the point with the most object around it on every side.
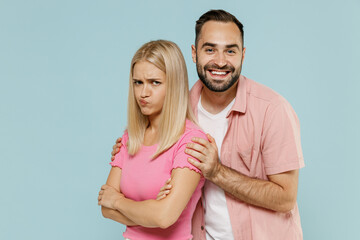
(142, 178)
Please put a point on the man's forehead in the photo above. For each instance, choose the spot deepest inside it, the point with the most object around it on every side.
(220, 33)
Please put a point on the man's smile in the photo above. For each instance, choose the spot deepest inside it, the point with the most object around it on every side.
(219, 74)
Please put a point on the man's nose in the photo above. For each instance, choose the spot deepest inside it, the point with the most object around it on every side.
(220, 59)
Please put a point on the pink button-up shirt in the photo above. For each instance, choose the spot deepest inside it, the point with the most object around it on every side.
(263, 138)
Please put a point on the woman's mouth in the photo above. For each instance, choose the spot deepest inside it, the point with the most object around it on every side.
(143, 102)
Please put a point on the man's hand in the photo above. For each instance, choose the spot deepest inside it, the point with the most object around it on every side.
(207, 154)
(108, 196)
(277, 194)
(116, 148)
(165, 190)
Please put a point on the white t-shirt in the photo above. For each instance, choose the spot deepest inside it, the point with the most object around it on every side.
(217, 219)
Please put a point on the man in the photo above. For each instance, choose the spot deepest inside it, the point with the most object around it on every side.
(252, 163)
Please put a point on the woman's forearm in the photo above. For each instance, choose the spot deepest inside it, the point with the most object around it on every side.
(148, 213)
(117, 216)
(165, 212)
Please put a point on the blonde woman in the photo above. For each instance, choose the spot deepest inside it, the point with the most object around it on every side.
(160, 124)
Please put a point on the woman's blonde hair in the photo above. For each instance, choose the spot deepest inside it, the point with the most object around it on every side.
(166, 56)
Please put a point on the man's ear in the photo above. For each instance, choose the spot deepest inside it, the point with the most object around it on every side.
(193, 53)
(243, 55)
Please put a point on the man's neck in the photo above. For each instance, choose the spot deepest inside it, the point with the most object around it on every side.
(215, 102)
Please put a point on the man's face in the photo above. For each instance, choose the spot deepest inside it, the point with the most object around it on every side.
(219, 55)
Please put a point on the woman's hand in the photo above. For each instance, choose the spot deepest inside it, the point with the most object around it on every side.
(108, 196)
(116, 148)
(165, 190)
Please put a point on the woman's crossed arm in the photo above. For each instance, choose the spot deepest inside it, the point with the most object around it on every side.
(149, 213)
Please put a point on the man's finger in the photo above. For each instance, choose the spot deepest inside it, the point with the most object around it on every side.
(199, 156)
(200, 141)
(195, 163)
(196, 147)
(115, 151)
(210, 138)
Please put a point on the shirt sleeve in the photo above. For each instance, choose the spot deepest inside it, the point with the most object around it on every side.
(281, 143)
(180, 157)
(120, 156)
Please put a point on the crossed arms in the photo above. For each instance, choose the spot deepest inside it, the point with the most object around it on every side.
(149, 213)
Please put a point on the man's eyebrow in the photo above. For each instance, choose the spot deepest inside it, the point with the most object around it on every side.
(232, 46)
(208, 44)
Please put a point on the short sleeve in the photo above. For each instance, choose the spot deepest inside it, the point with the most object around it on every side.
(280, 143)
(180, 157)
(121, 155)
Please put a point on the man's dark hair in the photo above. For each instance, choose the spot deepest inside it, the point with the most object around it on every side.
(218, 16)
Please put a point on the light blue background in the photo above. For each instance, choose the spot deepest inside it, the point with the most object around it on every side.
(64, 68)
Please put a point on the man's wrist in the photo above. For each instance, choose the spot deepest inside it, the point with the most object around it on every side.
(216, 173)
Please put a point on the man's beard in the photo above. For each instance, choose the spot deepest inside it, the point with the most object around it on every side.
(235, 74)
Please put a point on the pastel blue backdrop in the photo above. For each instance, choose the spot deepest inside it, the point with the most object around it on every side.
(64, 68)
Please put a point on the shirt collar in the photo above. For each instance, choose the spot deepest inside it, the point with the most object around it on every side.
(240, 99)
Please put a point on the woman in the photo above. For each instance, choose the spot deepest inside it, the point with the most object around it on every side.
(160, 124)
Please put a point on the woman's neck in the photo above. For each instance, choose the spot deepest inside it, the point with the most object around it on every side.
(151, 132)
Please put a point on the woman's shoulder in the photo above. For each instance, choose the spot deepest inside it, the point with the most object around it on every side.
(125, 137)
(193, 130)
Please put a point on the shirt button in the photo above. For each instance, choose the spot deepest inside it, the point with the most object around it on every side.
(202, 227)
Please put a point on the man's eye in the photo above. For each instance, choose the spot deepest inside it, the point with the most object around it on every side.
(209, 50)
(231, 51)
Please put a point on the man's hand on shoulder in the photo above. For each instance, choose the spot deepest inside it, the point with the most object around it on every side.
(206, 152)
(116, 148)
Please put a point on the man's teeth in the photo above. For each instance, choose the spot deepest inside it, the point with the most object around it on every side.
(218, 73)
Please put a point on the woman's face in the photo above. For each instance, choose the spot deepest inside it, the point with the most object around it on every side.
(149, 88)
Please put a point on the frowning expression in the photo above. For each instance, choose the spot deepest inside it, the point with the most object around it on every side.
(149, 84)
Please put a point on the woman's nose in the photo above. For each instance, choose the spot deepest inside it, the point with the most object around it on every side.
(145, 91)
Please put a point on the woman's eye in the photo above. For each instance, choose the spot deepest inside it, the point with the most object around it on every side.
(156, 82)
(137, 82)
